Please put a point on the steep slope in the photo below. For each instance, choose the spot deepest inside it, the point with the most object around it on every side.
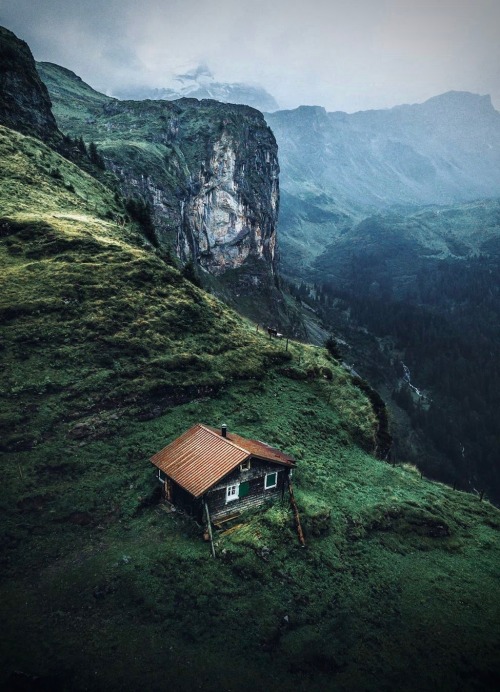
(84, 306)
(443, 151)
(24, 100)
(108, 354)
(209, 172)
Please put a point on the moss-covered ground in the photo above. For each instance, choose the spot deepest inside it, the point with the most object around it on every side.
(107, 355)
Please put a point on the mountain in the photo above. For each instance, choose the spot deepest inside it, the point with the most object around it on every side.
(24, 99)
(338, 166)
(389, 229)
(200, 83)
(108, 353)
(207, 171)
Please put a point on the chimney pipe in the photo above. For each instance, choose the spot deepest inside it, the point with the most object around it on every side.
(223, 430)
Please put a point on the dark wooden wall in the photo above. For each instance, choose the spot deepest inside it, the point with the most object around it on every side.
(257, 495)
(185, 501)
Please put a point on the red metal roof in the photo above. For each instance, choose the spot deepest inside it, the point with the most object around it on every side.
(258, 449)
(200, 457)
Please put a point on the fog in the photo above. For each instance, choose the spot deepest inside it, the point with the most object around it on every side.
(342, 54)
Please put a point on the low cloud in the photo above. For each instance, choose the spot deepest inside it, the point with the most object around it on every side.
(345, 55)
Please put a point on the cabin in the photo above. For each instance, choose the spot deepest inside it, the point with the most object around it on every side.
(214, 472)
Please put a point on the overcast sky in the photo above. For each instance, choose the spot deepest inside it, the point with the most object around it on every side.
(342, 54)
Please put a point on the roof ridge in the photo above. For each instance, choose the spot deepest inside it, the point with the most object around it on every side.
(220, 437)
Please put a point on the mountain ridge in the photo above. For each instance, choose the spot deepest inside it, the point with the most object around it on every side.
(361, 163)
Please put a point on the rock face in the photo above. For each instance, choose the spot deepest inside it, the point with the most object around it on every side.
(208, 170)
(222, 226)
(24, 100)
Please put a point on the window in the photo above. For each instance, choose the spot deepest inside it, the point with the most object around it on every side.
(245, 466)
(270, 481)
(232, 492)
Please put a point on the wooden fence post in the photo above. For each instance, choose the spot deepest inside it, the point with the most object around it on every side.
(296, 515)
(209, 527)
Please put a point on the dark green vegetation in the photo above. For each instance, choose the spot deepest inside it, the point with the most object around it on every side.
(410, 284)
(107, 354)
(426, 287)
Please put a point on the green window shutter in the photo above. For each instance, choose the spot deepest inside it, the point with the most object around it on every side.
(271, 480)
(244, 489)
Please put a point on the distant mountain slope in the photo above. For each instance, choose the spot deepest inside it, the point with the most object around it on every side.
(399, 244)
(446, 150)
(200, 84)
(82, 101)
(426, 286)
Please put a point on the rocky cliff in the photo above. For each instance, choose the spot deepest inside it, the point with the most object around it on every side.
(225, 220)
(209, 171)
(24, 100)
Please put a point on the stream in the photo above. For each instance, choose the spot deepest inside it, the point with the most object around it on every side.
(407, 379)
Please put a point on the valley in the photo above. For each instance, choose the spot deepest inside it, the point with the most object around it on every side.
(390, 230)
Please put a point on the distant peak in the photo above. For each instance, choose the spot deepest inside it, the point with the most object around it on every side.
(461, 98)
(59, 68)
(319, 109)
(201, 71)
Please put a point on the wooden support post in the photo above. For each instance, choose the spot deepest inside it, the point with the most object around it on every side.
(296, 514)
(257, 328)
(481, 495)
(286, 347)
(209, 527)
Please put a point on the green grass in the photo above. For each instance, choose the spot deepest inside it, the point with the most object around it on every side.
(108, 354)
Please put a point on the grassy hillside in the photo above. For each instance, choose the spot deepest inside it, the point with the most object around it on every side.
(107, 355)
